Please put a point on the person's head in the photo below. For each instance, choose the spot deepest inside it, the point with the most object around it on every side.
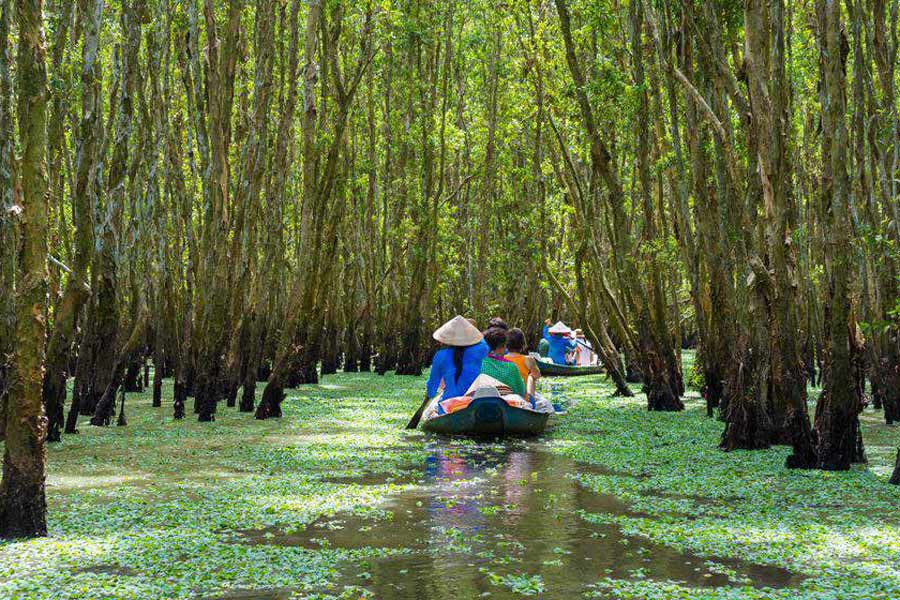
(516, 341)
(559, 330)
(458, 333)
(498, 322)
(496, 339)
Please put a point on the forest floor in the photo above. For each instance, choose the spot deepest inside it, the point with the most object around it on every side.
(336, 500)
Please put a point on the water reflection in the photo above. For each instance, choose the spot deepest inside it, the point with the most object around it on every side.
(487, 517)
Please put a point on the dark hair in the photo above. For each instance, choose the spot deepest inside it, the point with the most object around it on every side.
(498, 322)
(458, 352)
(516, 340)
(495, 337)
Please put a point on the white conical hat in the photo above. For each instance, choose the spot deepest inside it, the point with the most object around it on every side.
(458, 332)
(560, 327)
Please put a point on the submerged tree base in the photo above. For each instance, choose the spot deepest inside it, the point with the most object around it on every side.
(895, 478)
(23, 504)
(747, 426)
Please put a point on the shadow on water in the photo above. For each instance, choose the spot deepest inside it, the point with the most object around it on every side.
(485, 517)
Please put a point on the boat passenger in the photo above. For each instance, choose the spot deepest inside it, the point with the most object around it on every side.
(499, 367)
(557, 337)
(458, 363)
(584, 355)
(498, 322)
(528, 367)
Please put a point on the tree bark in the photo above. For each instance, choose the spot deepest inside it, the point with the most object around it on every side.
(655, 340)
(886, 121)
(212, 329)
(8, 233)
(88, 179)
(23, 504)
(837, 421)
(895, 477)
(107, 405)
(770, 119)
(322, 208)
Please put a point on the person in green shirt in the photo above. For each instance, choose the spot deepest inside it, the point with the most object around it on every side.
(499, 367)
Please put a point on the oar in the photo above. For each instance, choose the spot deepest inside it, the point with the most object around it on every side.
(583, 345)
(414, 422)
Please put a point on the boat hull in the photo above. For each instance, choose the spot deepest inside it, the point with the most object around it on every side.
(489, 417)
(549, 369)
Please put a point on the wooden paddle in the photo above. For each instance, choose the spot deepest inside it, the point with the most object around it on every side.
(414, 422)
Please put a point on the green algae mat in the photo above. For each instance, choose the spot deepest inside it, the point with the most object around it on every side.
(337, 500)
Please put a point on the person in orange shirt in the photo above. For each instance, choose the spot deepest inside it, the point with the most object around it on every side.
(528, 367)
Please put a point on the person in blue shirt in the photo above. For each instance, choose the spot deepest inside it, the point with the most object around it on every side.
(458, 363)
(558, 339)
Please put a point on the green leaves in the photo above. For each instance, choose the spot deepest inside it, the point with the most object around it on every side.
(157, 510)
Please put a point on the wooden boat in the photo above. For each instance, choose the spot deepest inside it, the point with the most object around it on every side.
(550, 369)
(488, 415)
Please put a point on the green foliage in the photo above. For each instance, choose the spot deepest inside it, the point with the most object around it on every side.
(153, 510)
(695, 379)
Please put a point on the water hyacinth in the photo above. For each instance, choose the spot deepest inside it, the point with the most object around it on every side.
(336, 500)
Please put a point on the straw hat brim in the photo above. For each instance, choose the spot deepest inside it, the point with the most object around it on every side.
(560, 327)
(458, 331)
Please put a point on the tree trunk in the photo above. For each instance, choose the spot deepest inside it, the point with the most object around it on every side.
(8, 234)
(765, 57)
(107, 405)
(351, 350)
(88, 180)
(330, 352)
(96, 372)
(887, 375)
(747, 423)
(158, 372)
(132, 381)
(213, 329)
(895, 477)
(23, 504)
(837, 421)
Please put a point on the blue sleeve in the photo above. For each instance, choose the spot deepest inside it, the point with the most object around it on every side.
(480, 351)
(437, 373)
(546, 332)
(571, 345)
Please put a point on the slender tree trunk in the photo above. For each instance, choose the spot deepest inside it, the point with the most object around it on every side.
(84, 197)
(837, 421)
(770, 119)
(886, 121)
(8, 234)
(212, 329)
(655, 341)
(895, 477)
(158, 368)
(23, 504)
(322, 207)
(102, 334)
(107, 405)
(286, 359)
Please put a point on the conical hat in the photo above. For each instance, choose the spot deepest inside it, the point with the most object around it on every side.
(458, 332)
(560, 327)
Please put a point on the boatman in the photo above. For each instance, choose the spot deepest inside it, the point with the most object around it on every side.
(557, 337)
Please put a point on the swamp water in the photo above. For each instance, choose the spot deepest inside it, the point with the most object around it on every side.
(498, 520)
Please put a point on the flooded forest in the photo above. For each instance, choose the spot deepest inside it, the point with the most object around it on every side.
(243, 241)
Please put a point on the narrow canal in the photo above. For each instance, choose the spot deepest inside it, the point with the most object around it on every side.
(501, 520)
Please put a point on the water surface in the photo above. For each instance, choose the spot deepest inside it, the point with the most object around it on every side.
(500, 520)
